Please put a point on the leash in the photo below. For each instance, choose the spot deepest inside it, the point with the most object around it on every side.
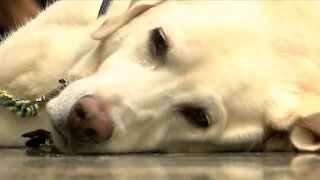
(18, 106)
(28, 108)
(104, 7)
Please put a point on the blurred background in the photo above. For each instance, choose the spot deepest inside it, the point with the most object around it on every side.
(15, 13)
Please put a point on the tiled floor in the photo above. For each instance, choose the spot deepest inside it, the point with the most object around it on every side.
(22, 164)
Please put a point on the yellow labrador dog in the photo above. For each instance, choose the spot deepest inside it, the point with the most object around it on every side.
(172, 76)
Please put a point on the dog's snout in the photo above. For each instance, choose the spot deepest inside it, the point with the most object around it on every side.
(89, 120)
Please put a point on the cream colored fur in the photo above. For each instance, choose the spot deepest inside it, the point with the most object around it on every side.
(254, 65)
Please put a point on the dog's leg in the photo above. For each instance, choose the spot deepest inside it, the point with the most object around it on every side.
(35, 57)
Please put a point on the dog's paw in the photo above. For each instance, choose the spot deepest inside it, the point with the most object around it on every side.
(278, 142)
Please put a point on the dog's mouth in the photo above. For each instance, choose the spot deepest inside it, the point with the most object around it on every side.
(60, 139)
(69, 145)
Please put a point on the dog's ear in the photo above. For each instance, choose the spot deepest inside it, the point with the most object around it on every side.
(112, 24)
(305, 135)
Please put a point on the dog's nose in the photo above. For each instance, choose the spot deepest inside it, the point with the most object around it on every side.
(89, 120)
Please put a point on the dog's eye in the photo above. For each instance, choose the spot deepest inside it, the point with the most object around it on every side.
(196, 116)
(158, 42)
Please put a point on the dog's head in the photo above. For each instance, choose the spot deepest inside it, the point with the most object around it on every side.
(171, 76)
